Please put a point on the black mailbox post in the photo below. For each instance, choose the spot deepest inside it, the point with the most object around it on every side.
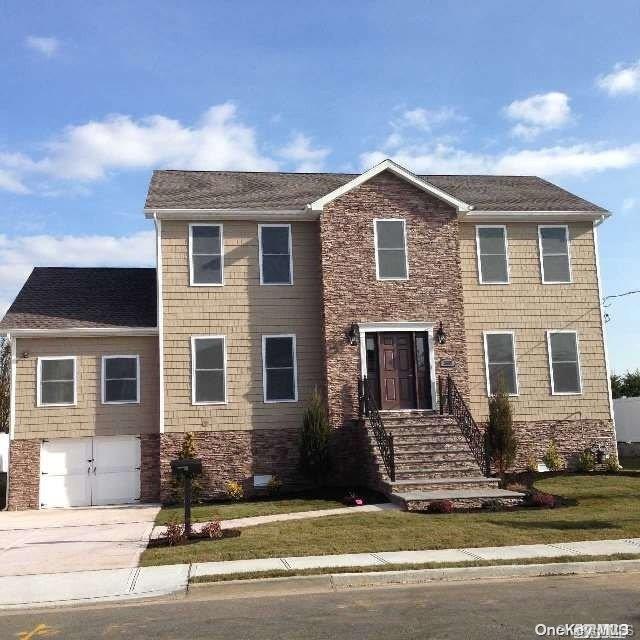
(187, 468)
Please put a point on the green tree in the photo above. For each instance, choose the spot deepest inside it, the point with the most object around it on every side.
(501, 440)
(5, 385)
(315, 460)
(617, 386)
(631, 386)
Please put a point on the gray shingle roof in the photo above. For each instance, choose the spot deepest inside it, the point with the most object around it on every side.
(66, 298)
(255, 190)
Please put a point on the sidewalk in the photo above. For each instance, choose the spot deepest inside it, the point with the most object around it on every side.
(125, 584)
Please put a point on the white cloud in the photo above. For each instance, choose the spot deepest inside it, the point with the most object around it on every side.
(426, 119)
(47, 46)
(624, 79)
(630, 203)
(306, 158)
(18, 255)
(538, 113)
(575, 160)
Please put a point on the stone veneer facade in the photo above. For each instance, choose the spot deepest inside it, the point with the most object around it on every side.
(351, 292)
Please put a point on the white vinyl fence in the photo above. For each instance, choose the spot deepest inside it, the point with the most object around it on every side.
(627, 414)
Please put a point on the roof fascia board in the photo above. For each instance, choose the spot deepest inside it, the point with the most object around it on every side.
(547, 216)
(401, 172)
(232, 214)
(83, 332)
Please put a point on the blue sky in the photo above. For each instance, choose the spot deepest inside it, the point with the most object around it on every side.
(95, 95)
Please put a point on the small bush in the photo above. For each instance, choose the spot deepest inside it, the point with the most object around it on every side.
(274, 487)
(175, 532)
(500, 436)
(517, 486)
(543, 500)
(314, 445)
(440, 506)
(586, 461)
(553, 459)
(234, 490)
(611, 464)
(212, 530)
(532, 464)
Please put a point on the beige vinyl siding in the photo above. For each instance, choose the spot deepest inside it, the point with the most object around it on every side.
(242, 310)
(530, 308)
(89, 417)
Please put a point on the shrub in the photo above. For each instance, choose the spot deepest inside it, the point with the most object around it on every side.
(212, 530)
(543, 500)
(440, 506)
(586, 461)
(314, 442)
(274, 487)
(175, 531)
(553, 459)
(611, 464)
(531, 465)
(517, 486)
(234, 490)
(501, 440)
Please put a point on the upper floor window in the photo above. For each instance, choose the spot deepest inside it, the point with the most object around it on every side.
(491, 245)
(208, 370)
(206, 255)
(120, 379)
(564, 362)
(279, 371)
(500, 361)
(555, 262)
(56, 381)
(391, 250)
(275, 254)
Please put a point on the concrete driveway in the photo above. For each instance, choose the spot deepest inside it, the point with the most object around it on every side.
(56, 540)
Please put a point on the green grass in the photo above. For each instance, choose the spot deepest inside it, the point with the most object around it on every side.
(602, 507)
(231, 510)
(284, 573)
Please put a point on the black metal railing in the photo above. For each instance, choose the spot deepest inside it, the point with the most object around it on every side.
(384, 440)
(452, 402)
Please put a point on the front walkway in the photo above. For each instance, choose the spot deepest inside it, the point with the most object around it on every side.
(125, 584)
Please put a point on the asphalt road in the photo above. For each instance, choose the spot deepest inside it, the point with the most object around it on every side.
(508, 609)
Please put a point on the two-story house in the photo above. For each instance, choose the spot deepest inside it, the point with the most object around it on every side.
(405, 300)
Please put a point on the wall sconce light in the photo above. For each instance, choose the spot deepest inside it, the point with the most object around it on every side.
(353, 335)
(25, 354)
(441, 336)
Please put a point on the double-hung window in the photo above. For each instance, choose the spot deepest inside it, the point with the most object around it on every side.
(555, 261)
(500, 360)
(564, 362)
(493, 262)
(276, 265)
(120, 379)
(208, 370)
(206, 255)
(279, 369)
(391, 250)
(56, 381)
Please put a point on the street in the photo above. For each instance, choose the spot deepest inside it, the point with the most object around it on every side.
(495, 609)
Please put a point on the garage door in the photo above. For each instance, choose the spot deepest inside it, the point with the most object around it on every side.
(80, 472)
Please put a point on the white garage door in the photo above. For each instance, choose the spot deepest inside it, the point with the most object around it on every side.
(80, 472)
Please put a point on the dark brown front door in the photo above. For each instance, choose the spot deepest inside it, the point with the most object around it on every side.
(397, 371)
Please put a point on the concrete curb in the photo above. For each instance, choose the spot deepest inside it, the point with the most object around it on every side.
(332, 582)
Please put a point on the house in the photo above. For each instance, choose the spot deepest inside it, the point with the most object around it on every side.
(405, 300)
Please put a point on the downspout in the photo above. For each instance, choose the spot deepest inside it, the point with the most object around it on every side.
(12, 411)
(159, 313)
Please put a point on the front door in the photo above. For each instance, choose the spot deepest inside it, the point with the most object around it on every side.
(397, 371)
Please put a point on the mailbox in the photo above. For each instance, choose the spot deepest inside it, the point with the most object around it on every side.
(187, 466)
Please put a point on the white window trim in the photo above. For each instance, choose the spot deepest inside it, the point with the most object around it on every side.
(104, 379)
(264, 366)
(276, 284)
(506, 252)
(549, 355)
(540, 254)
(500, 332)
(193, 370)
(376, 249)
(191, 280)
(39, 402)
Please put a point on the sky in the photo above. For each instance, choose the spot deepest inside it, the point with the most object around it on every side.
(93, 96)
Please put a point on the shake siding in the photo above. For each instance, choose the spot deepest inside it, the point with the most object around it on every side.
(530, 308)
(89, 417)
(243, 311)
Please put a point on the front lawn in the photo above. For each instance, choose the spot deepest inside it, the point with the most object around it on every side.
(603, 507)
